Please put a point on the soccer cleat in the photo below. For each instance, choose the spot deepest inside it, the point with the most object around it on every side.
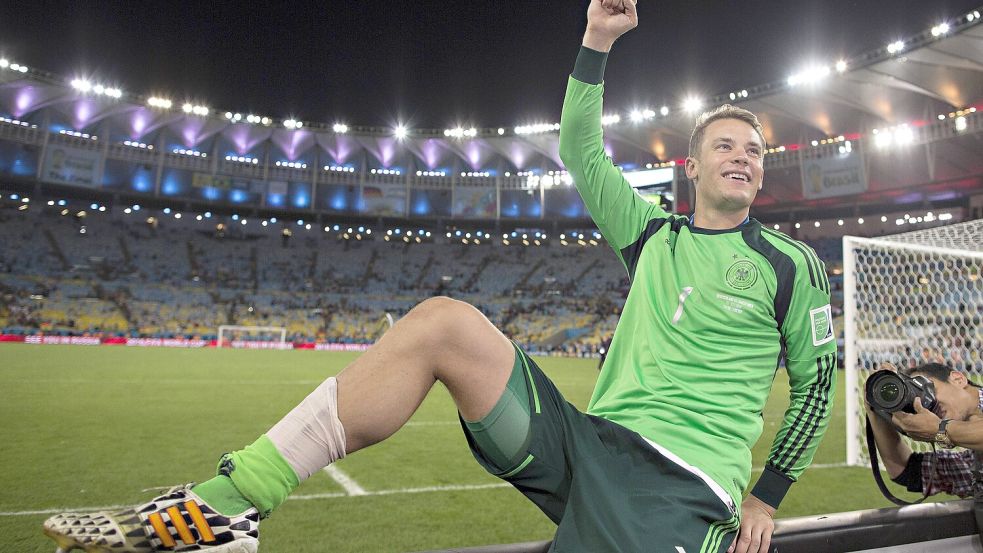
(179, 520)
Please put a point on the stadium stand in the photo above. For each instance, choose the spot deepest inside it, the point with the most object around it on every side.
(115, 274)
(120, 276)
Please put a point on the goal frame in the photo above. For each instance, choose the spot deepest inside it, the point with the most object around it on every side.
(222, 329)
(855, 435)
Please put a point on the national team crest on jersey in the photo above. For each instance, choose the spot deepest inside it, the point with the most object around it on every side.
(822, 325)
(742, 275)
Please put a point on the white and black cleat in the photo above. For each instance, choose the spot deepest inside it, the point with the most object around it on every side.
(177, 521)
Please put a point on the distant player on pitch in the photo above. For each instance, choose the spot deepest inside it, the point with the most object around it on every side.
(663, 456)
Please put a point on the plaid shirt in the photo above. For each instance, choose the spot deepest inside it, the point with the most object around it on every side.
(953, 470)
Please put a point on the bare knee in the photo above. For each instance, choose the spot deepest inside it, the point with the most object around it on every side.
(471, 356)
(445, 319)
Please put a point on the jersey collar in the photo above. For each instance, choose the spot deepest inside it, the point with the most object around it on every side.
(700, 230)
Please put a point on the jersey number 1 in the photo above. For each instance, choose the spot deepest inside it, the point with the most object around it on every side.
(682, 301)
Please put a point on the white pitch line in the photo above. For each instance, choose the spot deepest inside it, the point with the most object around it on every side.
(339, 495)
(169, 382)
(343, 480)
(65, 510)
(297, 497)
(432, 423)
(425, 489)
(816, 466)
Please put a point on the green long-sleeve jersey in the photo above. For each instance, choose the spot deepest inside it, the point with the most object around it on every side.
(709, 316)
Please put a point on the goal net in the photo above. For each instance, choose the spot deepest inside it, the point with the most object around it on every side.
(910, 299)
(271, 337)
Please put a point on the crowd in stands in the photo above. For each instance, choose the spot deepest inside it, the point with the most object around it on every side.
(121, 275)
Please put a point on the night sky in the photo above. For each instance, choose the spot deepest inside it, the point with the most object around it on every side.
(439, 64)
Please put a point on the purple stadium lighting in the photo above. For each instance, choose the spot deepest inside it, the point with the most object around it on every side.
(82, 114)
(430, 151)
(474, 155)
(293, 143)
(384, 151)
(339, 146)
(138, 123)
(25, 101)
(246, 137)
(517, 155)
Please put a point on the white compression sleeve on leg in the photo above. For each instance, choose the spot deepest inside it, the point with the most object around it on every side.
(311, 437)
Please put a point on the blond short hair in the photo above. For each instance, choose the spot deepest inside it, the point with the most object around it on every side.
(725, 111)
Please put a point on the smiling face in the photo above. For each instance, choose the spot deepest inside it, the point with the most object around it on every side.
(727, 167)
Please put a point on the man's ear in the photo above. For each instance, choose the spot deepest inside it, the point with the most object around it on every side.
(958, 378)
(692, 173)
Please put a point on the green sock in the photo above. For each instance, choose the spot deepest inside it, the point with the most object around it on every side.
(255, 476)
(221, 494)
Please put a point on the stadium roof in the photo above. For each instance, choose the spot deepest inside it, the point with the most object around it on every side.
(916, 82)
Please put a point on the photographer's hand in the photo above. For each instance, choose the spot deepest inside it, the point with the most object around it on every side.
(921, 426)
(893, 450)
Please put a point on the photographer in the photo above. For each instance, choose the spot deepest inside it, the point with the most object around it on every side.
(957, 420)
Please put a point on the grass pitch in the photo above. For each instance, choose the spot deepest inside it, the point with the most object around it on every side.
(88, 427)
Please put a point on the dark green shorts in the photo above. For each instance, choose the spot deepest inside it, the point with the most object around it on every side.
(604, 486)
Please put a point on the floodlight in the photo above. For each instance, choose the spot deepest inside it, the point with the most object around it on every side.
(81, 85)
(611, 119)
(904, 135)
(883, 139)
(692, 104)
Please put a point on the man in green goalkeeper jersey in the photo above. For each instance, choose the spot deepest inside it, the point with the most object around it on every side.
(662, 458)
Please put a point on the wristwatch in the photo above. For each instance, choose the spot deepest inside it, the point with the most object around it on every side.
(942, 438)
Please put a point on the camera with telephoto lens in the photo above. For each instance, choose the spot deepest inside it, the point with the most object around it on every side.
(889, 392)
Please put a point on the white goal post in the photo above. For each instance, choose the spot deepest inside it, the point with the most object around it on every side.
(910, 299)
(230, 330)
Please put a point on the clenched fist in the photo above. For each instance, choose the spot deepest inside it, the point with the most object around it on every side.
(607, 20)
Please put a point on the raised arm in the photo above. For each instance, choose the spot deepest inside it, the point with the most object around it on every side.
(620, 213)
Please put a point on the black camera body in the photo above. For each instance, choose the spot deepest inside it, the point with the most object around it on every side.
(889, 392)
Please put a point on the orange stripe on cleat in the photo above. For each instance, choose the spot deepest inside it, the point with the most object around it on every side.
(177, 519)
(158, 523)
(200, 523)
